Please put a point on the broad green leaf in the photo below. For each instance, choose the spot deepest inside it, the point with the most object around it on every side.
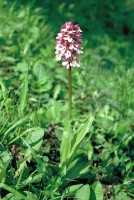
(92, 194)
(77, 168)
(90, 151)
(6, 157)
(72, 189)
(54, 112)
(24, 133)
(83, 193)
(121, 196)
(82, 131)
(65, 144)
(80, 134)
(40, 71)
(57, 91)
(35, 139)
(22, 67)
(96, 186)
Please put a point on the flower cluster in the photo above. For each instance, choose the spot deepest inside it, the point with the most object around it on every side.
(68, 45)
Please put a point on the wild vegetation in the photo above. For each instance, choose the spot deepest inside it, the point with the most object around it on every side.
(42, 155)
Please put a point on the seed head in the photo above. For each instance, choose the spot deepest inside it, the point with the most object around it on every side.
(68, 45)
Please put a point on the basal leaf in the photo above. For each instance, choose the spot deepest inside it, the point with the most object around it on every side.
(78, 137)
(65, 144)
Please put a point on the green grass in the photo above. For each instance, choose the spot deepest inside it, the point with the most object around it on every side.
(42, 156)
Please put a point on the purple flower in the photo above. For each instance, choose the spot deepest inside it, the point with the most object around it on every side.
(68, 45)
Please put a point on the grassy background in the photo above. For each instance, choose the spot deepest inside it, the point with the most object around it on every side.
(33, 96)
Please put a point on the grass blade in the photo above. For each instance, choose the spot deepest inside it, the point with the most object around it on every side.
(15, 125)
(13, 191)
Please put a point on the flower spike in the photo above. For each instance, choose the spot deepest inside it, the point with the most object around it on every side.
(68, 45)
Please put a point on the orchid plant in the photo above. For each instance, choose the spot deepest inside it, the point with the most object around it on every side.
(68, 47)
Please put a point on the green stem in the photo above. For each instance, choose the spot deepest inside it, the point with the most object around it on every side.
(69, 93)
